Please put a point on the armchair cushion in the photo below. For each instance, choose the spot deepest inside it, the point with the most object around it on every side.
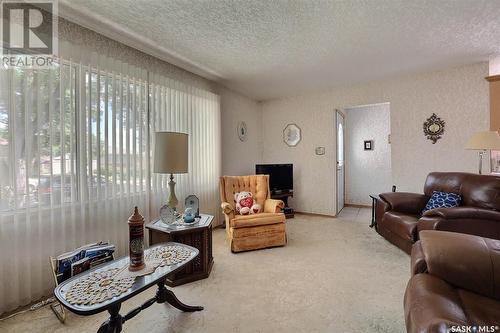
(442, 200)
(273, 206)
(258, 185)
(404, 202)
(243, 221)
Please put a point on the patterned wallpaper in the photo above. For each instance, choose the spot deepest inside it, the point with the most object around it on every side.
(457, 95)
(96, 42)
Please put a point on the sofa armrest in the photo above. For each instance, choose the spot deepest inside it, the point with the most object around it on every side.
(227, 208)
(467, 220)
(466, 261)
(464, 213)
(405, 202)
(273, 206)
(417, 261)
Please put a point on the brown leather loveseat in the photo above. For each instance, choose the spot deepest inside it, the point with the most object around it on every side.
(399, 216)
(455, 284)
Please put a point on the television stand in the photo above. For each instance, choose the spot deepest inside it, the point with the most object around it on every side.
(289, 213)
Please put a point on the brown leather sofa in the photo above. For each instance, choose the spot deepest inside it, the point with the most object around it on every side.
(399, 219)
(256, 231)
(455, 282)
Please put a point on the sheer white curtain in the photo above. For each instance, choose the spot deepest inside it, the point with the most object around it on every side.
(75, 150)
(180, 108)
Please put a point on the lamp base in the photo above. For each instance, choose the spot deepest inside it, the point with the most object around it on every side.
(481, 153)
(172, 199)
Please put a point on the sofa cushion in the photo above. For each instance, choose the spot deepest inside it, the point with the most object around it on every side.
(476, 190)
(403, 225)
(442, 200)
(244, 221)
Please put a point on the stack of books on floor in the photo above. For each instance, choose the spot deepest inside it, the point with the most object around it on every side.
(84, 258)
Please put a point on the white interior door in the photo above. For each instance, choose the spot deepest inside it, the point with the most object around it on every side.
(339, 122)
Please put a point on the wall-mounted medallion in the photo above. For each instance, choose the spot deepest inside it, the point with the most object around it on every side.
(433, 128)
(242, 131)
(292, 135)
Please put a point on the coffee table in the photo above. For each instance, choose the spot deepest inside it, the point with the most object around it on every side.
(141, 283)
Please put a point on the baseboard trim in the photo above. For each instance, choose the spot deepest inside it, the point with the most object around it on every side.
(314, 214)
(357, 206)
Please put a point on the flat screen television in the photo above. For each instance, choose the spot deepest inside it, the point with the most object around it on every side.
(280, 176)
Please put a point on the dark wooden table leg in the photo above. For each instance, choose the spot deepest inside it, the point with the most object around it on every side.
(174, 301)
(114, 323)
(373, 212)
(164, 295)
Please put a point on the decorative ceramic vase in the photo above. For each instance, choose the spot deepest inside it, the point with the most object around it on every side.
(189, 215)
(136, 241)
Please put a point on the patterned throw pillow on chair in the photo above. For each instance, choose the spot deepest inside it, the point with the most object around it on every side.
(442, 200)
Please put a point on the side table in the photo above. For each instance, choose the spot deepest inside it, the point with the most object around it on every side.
(197, 235)
(374, 197)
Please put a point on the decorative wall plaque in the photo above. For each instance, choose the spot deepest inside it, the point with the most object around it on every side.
(292, 135)
(434, 128)
(242, 131)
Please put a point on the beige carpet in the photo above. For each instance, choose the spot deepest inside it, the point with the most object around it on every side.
(335, 275)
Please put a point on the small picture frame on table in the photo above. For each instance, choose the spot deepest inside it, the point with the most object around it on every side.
(193, 202)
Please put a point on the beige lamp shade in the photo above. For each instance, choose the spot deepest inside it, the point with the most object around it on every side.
(484, 140)
(171, 152)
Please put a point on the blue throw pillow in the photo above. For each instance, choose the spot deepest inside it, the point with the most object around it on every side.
(442, 200)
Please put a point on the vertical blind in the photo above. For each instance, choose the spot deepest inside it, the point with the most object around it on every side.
(179, 108)
(75, 158)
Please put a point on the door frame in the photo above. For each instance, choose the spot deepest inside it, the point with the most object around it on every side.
(342, 114)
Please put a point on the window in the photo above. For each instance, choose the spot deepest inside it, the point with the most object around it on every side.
(37, 137)
(75, 134)
(75, 150)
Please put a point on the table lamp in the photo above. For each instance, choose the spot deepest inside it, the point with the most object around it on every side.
(171, 156)
(483, 141)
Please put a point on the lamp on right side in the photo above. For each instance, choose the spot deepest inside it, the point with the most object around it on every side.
(483, 141)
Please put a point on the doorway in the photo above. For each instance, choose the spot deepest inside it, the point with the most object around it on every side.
(339, 126)
(367, 150)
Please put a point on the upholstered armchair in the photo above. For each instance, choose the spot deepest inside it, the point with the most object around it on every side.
(256, 231)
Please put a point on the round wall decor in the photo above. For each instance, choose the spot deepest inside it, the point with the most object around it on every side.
(433, 128)
(242, 131)
(292, 135)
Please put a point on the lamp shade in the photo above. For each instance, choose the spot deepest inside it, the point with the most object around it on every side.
(484, 140)
(171, 152)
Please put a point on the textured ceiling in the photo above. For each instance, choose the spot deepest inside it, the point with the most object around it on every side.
(269, 49)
